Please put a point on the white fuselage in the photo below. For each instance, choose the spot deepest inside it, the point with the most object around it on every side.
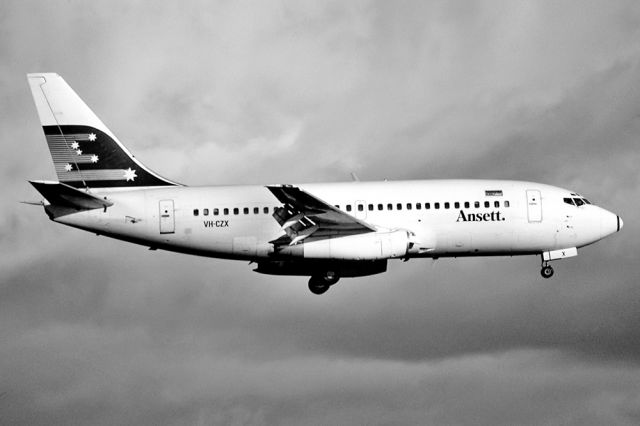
(235, 222)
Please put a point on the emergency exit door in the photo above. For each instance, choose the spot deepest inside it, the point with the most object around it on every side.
(167, 219)
(534, 205)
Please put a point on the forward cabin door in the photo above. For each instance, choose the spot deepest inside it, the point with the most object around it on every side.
(534, 205)
(167, 218)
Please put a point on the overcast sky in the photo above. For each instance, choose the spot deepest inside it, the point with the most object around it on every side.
(96, 331)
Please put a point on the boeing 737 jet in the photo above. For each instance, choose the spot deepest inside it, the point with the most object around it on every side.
(325, 231)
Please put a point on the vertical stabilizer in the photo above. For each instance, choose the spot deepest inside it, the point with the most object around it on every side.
(84, 151)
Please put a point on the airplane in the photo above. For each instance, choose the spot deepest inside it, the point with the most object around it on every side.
(324, 231)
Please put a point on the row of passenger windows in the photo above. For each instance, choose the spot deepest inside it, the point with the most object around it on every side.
(360, 207)
(427, 206)
(236, 211)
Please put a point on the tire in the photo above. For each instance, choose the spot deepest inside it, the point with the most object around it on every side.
(318, 285)
(330, 278)
(546, 272)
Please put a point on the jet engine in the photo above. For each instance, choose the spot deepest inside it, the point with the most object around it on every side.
(369, 246)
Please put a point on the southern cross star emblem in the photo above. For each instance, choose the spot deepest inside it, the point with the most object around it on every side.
(68, 167)
(130, 174)
(79, 152)
(94, 158)
(75, 145)
(92, 137)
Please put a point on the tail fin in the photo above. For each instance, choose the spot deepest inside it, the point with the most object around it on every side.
(84, 151)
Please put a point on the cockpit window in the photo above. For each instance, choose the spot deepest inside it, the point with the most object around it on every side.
(576, 201)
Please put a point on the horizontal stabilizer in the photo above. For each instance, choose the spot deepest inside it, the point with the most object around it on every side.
(60, 194)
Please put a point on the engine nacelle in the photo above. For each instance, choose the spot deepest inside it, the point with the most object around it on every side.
(311, 267)
(369, 246)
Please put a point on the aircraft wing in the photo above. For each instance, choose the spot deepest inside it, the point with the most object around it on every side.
(304, 215)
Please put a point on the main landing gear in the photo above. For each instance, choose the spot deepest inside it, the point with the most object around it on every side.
(319, 284)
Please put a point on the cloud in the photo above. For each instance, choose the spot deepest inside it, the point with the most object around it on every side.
(98, 331)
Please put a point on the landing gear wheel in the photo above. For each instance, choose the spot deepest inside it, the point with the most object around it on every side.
(546, 271)
(317, 285)
(330, 277)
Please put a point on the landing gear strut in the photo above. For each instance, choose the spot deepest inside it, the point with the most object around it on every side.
(546, 271)
(319, 284)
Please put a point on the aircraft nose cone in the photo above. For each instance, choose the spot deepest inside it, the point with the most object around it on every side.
(610, 223)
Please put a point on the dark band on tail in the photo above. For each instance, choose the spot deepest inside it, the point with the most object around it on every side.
(85, 156)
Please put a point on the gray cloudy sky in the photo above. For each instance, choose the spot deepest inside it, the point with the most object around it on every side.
(95, 331)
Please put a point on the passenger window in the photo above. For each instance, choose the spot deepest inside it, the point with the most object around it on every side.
(389, 206)
(506, 204)
(196, 212)
(436, 205)
(399, 206)
(205, 212)
(380, 207)
(456, 205)
(466, 204)
(236, 210)
(487, 204)
(348, 207)
(496, 204)
(265, 210)
(408, 206)
(370, 207)
(216, 212)
(427, 206)
(476, 204)
(256, 210)
(226, 211)
(360, 207)
(446, 205)
(418, 206)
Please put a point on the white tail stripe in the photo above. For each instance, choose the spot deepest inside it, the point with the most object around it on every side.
(90, 175)
(65, 158)
(78, 137)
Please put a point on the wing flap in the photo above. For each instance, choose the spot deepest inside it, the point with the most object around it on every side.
(304, 215)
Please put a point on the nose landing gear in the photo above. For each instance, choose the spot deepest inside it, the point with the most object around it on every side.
(546, 271)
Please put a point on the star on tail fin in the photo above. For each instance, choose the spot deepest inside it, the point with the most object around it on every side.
(84, 151)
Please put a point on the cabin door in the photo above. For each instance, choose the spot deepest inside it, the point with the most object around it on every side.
(167, 218)
(534, 205)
